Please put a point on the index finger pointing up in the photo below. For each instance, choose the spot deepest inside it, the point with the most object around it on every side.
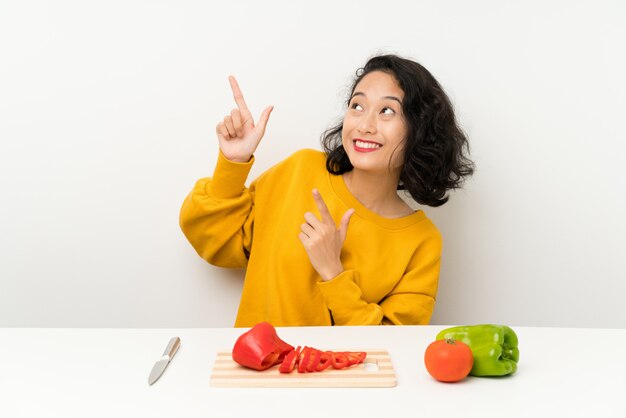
(321, 205)
(237, 95)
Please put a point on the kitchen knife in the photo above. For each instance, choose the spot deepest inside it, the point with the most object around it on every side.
(168, 354)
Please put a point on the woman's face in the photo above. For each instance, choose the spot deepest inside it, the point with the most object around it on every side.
(374, 128)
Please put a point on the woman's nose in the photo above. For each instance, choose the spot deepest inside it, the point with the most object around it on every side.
(367, 124)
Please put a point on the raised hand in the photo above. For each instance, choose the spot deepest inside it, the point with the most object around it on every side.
(238, 135)
(322, 240)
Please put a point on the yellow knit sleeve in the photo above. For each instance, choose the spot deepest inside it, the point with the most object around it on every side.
(345, 301)
(411, 302)
(217, 216)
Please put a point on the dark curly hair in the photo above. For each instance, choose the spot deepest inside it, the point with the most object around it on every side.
(435, 159)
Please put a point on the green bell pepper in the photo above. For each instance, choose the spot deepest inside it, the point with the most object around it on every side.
(494, 347)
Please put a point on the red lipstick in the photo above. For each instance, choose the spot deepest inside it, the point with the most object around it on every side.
(365, 147)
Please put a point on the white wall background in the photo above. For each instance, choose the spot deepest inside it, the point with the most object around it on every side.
(107, 116)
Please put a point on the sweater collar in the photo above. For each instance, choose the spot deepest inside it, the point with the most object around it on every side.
(341, 190)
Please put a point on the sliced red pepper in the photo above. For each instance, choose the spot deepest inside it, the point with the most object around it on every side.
(355, 357)
(260, 348)
(314, 360)
(326, 359)
(340, 360)
(303, 359)
(290, 361)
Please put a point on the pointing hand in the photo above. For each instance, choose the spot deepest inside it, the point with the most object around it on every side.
(322, 240)
(238, 135)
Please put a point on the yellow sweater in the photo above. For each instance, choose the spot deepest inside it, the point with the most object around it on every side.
(391, 265)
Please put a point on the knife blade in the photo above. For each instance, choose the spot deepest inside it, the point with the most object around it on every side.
(160, 366)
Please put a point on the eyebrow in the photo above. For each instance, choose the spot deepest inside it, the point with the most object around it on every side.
(358, 93)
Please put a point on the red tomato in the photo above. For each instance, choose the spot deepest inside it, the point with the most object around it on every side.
(448, 360)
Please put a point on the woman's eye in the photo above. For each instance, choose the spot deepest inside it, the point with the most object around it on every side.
(388, 111)
(356, 106)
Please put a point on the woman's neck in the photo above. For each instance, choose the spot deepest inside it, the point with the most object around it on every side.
(377, 193)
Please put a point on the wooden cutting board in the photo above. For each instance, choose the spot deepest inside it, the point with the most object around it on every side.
(376, 371)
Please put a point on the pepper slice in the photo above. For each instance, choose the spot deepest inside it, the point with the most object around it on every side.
(494, 347)
(303, 359)
(326, 360)
(260, 348)
(340, 360)
(314, 360)
(290, 361)
(355, 357)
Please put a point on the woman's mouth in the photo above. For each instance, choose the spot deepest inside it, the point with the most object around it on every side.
(365, 146)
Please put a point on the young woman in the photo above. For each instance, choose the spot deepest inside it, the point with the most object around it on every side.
(324, 236)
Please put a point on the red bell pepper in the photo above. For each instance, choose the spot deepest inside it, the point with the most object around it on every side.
(314, 360)
(340, 360)
(355, 357)
(290, 361)
(303, 359)
(326, 359)
(260, 348)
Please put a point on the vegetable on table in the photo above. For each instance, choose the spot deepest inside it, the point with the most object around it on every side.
(290, 362)
(494, 347)
(448, 360)
(311, 359)
(260, 348)
(326, 359)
